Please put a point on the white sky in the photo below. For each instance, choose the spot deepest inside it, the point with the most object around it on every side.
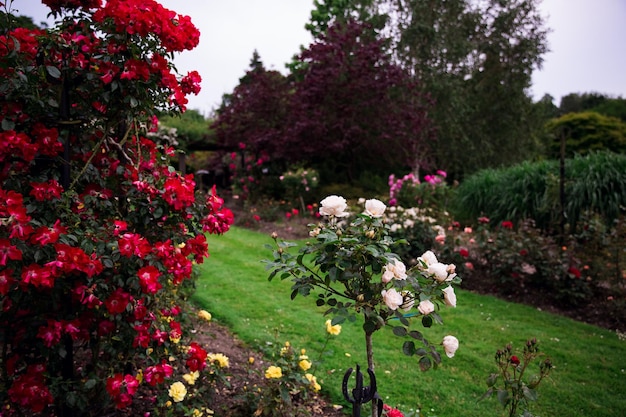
(587, 43)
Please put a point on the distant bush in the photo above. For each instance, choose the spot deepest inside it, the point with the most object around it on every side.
(595, 183)
(586, 132)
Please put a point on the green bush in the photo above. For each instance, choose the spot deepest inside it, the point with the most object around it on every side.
(593, 183)
(586, 132)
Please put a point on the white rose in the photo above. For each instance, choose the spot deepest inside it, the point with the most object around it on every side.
(450, 345)
(439, 270)
(375, 208)
(426, 307)
(394, 269)
(428, 258)
(387, 275)
(449, 297)
(392, 298)
(334, 206)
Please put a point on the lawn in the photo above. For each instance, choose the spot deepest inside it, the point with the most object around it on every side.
(589, 379)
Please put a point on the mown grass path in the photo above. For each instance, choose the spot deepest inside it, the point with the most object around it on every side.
(589, 379)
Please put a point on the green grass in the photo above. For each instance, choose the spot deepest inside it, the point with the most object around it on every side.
(589, 379)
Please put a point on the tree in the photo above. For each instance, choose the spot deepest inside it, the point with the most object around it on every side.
(355, 111)
(255, 112)
(599, 103)
(251, 121)
(475, 60)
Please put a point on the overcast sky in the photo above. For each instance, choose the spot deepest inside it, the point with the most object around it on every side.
(587, 43)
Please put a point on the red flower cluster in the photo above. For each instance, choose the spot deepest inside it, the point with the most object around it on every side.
(122, 388)
(197, 357)
(30, 391)
(147, 17)
(391, 412)
(507, 224)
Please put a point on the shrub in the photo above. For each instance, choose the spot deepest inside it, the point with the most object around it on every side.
(99, 233)
(593, 183)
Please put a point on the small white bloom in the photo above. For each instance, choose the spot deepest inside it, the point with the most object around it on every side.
(428, 258)
(438, 270)
(334, 206)
(449, 297)
(375, 208)
(450, 345)
(426, 307)
(392, 298)
(394, 269)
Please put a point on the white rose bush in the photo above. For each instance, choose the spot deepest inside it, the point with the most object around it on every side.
(351, 268)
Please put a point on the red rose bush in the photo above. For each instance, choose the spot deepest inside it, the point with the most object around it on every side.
(98, 232)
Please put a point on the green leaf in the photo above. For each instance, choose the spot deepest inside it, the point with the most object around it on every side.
(53, 71)
(427, 321)
(7, 124)
(90, 384)
(416, 335)
(530, 394)
(425, 363)
(492, 379)
(503, 397)
(369, 326)
(399, 331)
(408, 348)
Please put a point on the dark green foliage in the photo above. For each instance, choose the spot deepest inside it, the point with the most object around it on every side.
(585, 132)
(596, 183)
(192, 129)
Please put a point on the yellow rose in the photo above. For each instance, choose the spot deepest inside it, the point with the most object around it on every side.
(304, 364)
(177, 391)
(273, 372)
(204, 315)
(191, 377)
(334, 330)
(220, 359)
(313, 380)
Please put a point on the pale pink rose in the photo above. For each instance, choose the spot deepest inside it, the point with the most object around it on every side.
(426, 307)
(469, 266)
(394, 269)
(439, 271)
(428, 258)
(449, 297)
(392, 298)
(468, 230)
(441, 239)
(450, 345)
(334, 206)
(375, 208)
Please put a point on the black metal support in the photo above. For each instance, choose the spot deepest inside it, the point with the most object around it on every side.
(361, 394)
